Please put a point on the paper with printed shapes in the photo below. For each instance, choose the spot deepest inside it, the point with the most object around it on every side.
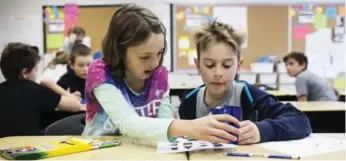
(185, 144)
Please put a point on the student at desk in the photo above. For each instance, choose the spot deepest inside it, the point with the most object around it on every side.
(264, 118)
(309, 86)
(22, 101)
(56, 68)
(79, 61)
(75, 35)
(127, 90)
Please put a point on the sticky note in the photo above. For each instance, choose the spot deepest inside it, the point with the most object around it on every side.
(206, 10)
(180, 16)
(51, 16)
(55, 41)
(292, 12)
(300, 31)
(61, 15)
(184, 43)
(182, 53)
(341, 10)
(195, 9)
(188, 11)
(330, 12)
(48, 10)
(306, 6)
(320, 21)
(319, 10)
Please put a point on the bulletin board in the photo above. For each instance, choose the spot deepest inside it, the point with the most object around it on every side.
(95, 21)
(306, 19)
(319, 31)
(266, 29)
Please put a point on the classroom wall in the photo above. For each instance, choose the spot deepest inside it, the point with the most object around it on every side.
(32, 32)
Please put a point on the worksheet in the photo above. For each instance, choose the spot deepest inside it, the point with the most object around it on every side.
(310, 145)
(185, 144)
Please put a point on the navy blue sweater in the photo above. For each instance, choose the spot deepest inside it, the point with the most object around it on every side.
(276, 121)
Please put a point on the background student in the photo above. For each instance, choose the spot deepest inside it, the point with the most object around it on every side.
(56, 68)
(79, 61)
(75, 36)
(309, 86)
(23, 101)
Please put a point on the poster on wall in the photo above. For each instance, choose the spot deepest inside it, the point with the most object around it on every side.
(53, 17)
(71, 12)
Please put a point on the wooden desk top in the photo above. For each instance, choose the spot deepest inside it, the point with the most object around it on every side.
(319, 106)
(218, 154)
(125, 151)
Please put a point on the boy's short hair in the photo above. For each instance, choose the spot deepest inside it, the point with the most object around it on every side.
(298, 56)
(79, 50)
(16, 57)
(217, 32)
(79, 31)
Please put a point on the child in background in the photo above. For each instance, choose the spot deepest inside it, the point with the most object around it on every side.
(309, 86)
(23, 101)
(75, 36)
(79, 61)
(56, 68)
(127, 91)
(263, 117)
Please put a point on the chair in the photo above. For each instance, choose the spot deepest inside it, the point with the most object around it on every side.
(72, 125)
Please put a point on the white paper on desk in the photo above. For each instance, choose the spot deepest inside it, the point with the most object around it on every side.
(311, 145)
(183, 145)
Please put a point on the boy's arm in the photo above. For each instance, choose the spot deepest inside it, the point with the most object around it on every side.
(55, 87)
(301, 88)
(278, 121)
(53, 100)
(68, 101)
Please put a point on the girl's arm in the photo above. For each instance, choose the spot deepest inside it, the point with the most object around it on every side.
(165, 109)
(209, 128)
(125, 117)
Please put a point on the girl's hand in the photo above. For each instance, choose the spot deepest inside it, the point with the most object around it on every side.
(214, 129)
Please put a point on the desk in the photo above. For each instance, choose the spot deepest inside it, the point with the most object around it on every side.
(125, 151)
(319, 106)
(292, 96)
(325, 117)
(217, 154)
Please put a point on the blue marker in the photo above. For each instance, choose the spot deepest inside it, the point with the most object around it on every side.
(261, 155)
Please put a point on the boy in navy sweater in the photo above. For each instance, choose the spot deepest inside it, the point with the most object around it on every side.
(263, 118)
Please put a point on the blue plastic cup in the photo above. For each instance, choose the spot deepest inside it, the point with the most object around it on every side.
(234, 111)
